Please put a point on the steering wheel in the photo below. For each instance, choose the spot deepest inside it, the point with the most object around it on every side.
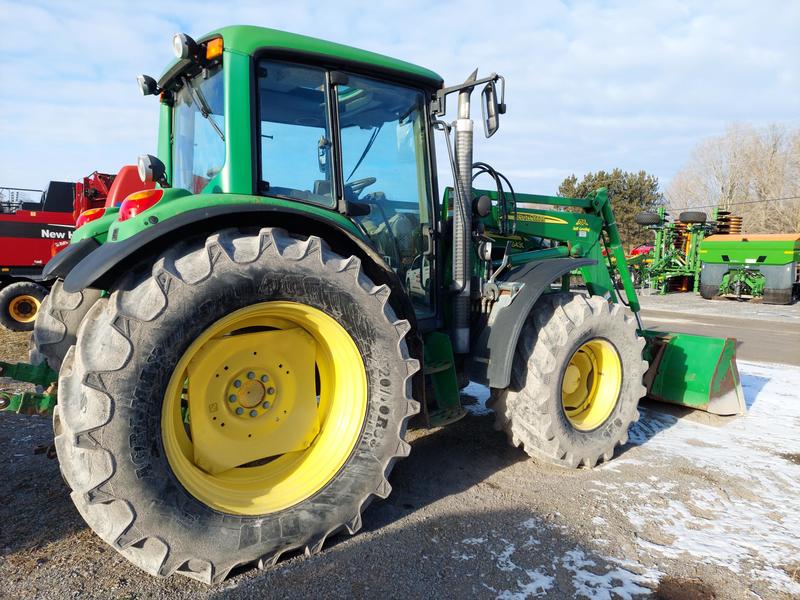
(370, 200)
(359, 184)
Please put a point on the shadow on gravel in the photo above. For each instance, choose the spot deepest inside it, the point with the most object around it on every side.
(444, 462)
(35, 508)
(507, 553)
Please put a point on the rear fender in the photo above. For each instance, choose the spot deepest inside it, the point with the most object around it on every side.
(103, 265)
(493, 350)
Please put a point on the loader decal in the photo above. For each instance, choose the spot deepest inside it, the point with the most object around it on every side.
(534, 218)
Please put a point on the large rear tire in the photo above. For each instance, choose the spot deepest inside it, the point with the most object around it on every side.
(19, 305)
(289, 344)
(576, 381)
(57, 325)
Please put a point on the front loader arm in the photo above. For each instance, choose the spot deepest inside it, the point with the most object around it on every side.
(580, 232)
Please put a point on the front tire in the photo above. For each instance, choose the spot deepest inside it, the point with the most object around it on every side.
(576, 381)
(139, 426)
(57, 324)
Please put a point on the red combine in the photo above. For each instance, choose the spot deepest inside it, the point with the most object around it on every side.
(34, 225)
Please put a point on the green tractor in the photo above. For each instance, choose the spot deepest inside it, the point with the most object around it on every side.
(240, 350)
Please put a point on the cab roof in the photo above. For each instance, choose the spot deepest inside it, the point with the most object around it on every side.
(251, 40)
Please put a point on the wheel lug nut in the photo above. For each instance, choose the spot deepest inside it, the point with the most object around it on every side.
(239, 411)
(232, 398)
(237, 384)
(264, 378)
(271, 390)
(251, 375)
(253, 413)
(265, 405)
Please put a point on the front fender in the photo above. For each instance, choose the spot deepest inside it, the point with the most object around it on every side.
(493, 350)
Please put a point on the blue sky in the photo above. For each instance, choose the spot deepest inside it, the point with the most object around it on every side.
(591, 85)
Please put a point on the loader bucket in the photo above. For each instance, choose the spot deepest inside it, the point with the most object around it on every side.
(695, 371)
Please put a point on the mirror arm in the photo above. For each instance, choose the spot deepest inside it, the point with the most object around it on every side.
(438, 106)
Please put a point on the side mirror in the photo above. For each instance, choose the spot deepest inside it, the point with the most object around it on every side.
(152, 169)
(491, 109)
(147, 85)
(322, 154)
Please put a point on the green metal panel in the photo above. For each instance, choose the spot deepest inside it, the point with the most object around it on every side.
(27, 403)
(755, 249)
(439, 365)
(237, 175)
(36, 374)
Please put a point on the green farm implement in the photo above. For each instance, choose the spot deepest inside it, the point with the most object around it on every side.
(763, 266)
(674, 263)
(240, 349)
(29, 403)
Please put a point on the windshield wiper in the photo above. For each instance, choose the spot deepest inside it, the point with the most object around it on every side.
(201, 104)
(366, 150)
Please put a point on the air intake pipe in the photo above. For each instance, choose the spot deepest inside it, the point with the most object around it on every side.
(462, 220)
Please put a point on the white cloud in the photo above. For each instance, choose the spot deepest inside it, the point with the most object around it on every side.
(590, 85)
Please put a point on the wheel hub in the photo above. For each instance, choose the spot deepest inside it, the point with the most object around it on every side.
(267, 405)
(251, 392)
(591, 383)
(23, 308)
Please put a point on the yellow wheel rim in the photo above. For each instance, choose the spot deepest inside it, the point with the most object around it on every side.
(264, 408)
(23, 308)
(591, 384)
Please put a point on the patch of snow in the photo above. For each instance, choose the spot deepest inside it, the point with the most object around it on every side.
(474, 541)
(623, 579)
(538, 585)
(616, 583)
(745, 518)
(599, 521)
(481, 395)
(503, 560)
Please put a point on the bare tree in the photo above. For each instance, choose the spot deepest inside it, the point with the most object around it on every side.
(751, 172)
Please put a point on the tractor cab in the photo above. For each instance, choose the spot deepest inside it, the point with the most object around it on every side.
(331, 131)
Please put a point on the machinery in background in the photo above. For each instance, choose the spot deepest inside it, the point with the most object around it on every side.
(715, 259)
(32, 232)
(751, 266)
(673, 264)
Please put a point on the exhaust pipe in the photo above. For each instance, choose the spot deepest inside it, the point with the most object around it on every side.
(462, 220)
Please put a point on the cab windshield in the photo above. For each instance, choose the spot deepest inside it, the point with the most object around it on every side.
(198, 148)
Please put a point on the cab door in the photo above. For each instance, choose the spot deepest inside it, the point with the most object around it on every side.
(385, 169)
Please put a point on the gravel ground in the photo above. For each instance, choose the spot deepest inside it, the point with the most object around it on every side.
(691, 507)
